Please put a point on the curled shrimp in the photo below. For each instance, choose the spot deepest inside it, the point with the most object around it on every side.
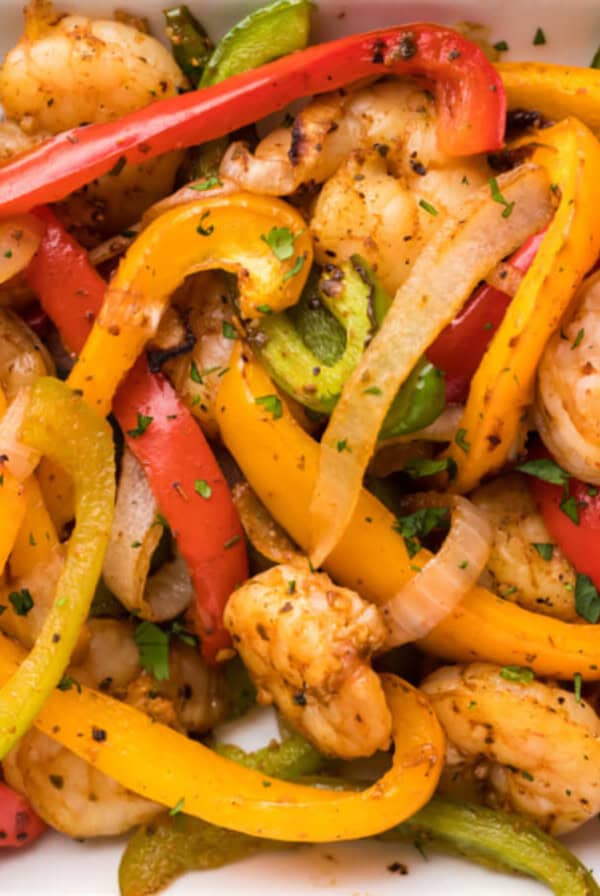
(397, 118)
(72, 70)
(70, 794)
(307, 645)
(567, 409)
(516, 569)
(532, 748)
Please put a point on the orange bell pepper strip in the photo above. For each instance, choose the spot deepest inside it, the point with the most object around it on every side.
(12, 505)
(228, 233)
(280, 460)
(12, 513)
(501, 390)
(36, 539)
(557, 91)
(163, 765)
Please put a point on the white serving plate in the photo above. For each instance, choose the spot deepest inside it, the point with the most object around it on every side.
(56, 866)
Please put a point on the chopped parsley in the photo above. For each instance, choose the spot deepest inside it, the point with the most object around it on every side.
(595, 63)
(178, 808)
(153, 648)
(428, 207)
(587, 599)
(578, 338)
(570, 508)
(501, 46)
(21, 601)
(342, 445)
(577, 682)
(461, 440)
(264, 309)
(202, 488)
(539, 38)
(545, 469)
(143, 422)
(280, 241)
(544, 549)
(229, 331)
(272, 404)
(66, 683)
(195, 373)
(201, 229)
(415, 526)
(517, 673)
(498, 197)
(181, 632)
(372, 390)
(207, 184)
(298, 265)
(424, 466)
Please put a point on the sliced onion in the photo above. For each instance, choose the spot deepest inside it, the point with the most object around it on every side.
(135, 535)
(18, 458)
(567, 408)
(460, 254)
(23, 358)
(20, 238)
(263, 533)
(444, 580)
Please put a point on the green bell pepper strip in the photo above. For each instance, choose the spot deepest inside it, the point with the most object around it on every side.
(498, 840)
(192, 47)
(289, 760)
(311, 349)
(169, 846)
(262, 36)
(275, 30)
(60, 425)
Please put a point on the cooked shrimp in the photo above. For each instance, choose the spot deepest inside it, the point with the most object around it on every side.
(204, 303)
(73, 70)
(193, 699)
(533, 747)
(567, 410)
(397, 118)
(71, 795)
(364, 210)
(518, 571)
(307, 645)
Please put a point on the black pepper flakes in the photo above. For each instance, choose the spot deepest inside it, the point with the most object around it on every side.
(99, 734)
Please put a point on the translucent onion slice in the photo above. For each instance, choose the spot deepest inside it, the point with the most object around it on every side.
(20, 238)
(18, 458)
(462, 252)
(135, 535)
(444, 580)
(568, 389)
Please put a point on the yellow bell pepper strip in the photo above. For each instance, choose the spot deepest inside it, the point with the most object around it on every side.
(36, 539)
(163, 765)
(280, 461)
(501, 388)
(557, 91)
(63, 427)
(12, 513)
(228, 232)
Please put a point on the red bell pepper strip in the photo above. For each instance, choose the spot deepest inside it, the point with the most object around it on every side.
(172, 450)
(459, 348)
(579, 541)
(470, 100)
(19, 824)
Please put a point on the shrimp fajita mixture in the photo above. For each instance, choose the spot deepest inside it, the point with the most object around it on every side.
(300, 408)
